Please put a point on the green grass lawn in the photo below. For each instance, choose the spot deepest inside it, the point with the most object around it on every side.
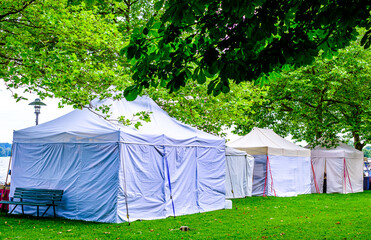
(314, 216)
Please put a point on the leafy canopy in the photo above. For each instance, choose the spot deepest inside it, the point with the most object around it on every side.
(318, 102)
(238, 40)
(67, 49)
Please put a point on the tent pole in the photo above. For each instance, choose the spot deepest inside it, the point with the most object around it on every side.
(345, 178)
(168, 178)
(125, 189)
(266, 175)
(230, 179)
(246, 174)
(270, 173)
(197, 193)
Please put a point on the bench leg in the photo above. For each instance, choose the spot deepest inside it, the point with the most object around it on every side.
(54, 211)
(13, 209)
(22, 209)
(37, 211)
(45, 211)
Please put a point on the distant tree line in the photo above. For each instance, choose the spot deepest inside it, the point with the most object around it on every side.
(367, 151)
(5, 149)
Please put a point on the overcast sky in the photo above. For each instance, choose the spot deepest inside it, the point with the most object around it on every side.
(18, 115)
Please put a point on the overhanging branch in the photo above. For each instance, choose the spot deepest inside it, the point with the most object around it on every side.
(17, 11)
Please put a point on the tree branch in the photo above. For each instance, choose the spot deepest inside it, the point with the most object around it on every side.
(9, 58)
(17, 11)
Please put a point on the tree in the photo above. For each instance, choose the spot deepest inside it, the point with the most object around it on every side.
(367, 152)
(67, 49)
(213, 114)
(2, 152)
(317, 102)
(5, 149)
(238, 40)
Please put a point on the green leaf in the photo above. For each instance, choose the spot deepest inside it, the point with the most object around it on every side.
(131, 50)
(213, 69)
(210, 87)
(137, 125)
(196, 73)
(158, 5)
(145, 31)
(225, 89)
(138, 54)
(201, 78)
(131, 93)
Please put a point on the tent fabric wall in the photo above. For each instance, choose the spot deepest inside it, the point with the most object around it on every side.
(87, 172)
(281, 168)
(239, 173)
(211, 187)
(343, 166)
(114, 173)
(285, 176)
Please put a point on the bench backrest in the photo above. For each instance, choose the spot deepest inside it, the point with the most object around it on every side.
(38, 194)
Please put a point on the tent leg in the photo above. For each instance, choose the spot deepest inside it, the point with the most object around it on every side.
(125, 191)
(168, 178)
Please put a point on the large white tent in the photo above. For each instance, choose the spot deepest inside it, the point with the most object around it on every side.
(281, 168)
(114, 173)
(239, 172)
(343, 166)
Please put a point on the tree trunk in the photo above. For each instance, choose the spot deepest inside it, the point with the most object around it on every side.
(357, 143)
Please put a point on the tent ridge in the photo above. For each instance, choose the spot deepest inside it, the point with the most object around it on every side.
(172, 145)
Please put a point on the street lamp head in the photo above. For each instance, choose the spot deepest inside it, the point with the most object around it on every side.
(37, 104)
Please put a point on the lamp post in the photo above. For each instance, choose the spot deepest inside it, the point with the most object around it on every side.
(37, 104)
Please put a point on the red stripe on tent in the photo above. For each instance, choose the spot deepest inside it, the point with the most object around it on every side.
(315, 179)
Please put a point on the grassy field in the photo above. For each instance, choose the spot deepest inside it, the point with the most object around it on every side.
(314, 216)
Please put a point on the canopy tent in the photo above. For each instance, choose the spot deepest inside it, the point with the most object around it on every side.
(281, 168)
(114, 173)
(239, 172)
(343, 167)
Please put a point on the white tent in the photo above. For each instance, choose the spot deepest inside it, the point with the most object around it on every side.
(238, 176)
(343, 166)
(113, 173)
(281, 168)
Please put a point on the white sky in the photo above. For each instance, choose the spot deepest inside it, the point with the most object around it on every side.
(18, 115)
